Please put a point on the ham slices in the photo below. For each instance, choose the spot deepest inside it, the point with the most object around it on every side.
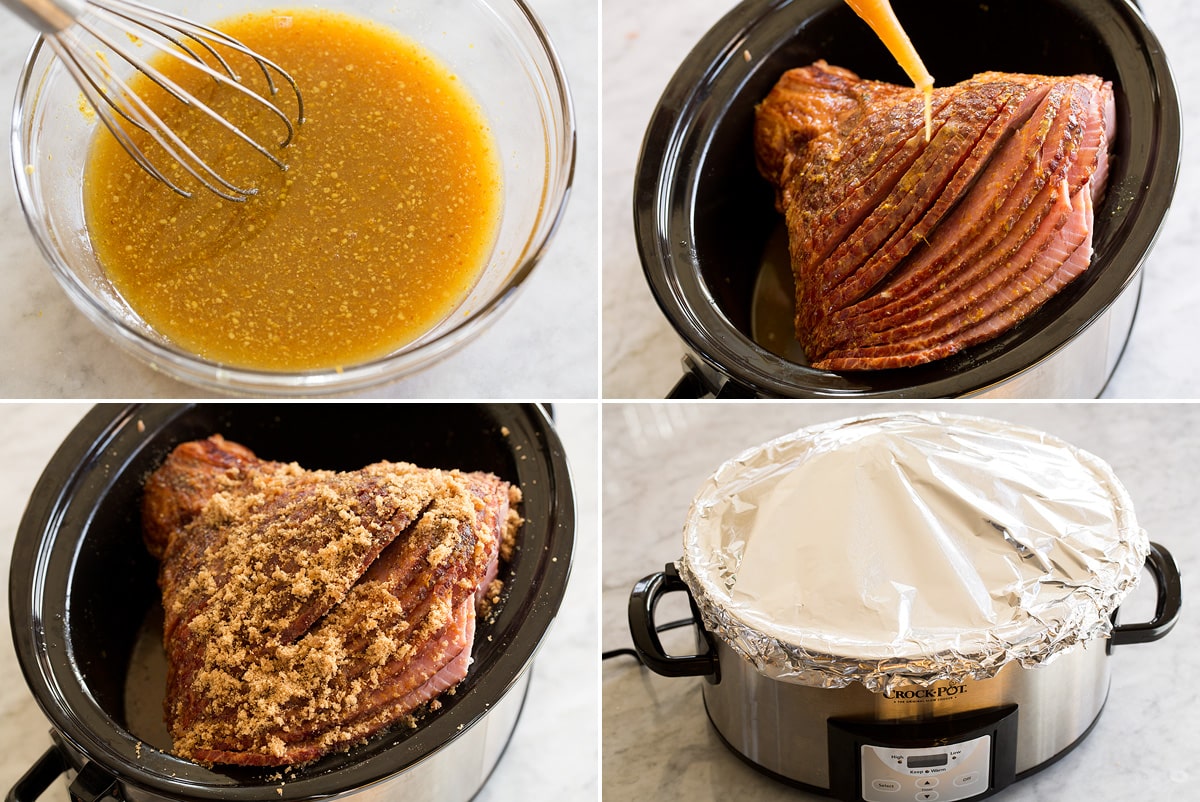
(906, 251)
(306, 610)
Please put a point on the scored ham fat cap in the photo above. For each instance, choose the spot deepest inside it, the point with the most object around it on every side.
(905, 250)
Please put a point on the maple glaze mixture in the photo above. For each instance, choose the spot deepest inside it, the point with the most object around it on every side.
(882, 19)
(378, 229)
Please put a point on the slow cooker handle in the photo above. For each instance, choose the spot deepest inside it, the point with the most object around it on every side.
(41, 775)
(91, 784)
(694, 385)
(642, 603)
(1166, 609)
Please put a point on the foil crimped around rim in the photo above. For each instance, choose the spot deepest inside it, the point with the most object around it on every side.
(909, 549)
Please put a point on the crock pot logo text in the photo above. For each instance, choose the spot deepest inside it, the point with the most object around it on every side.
(931, 693)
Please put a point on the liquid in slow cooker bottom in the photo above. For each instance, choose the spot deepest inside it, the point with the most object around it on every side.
(146, 684)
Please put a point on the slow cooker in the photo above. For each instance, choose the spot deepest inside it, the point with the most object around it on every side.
(82, 584)
(713, 248)
(910, 606)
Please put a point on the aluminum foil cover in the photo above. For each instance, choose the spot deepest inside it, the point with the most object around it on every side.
(908, 549)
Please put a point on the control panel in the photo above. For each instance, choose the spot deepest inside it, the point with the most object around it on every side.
(943, 773)
(965, 756)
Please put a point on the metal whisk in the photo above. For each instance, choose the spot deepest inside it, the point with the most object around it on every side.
(66, 26)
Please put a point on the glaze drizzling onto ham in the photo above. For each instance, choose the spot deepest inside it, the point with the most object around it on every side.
(307, 610)
(906, 251)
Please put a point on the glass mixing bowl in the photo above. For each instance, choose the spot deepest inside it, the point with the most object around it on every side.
(497, 47)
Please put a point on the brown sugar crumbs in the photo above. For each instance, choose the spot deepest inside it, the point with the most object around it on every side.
(378, 229)
(512, 525)
(307, 609)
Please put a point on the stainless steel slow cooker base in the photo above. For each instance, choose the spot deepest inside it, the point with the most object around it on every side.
(824, 791)
(785, 732)
(949, 741)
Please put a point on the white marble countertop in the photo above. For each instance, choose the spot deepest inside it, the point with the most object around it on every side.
(554, 753)
(546, 346)
(643, 45)
(658, 743)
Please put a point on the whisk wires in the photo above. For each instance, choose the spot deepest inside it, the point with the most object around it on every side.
(120, 107)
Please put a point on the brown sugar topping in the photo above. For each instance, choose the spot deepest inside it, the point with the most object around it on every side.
(307, 609)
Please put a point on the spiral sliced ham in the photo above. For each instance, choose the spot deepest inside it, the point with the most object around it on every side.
(906, 250)
(307, 610)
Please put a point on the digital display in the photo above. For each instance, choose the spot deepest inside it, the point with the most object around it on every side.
(925, 761)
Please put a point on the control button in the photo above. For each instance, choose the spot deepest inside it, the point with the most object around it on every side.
(967, 779)
(886, 785)
(927, 782)
(927, 796)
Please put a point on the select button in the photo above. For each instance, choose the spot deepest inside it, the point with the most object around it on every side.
(886, 785)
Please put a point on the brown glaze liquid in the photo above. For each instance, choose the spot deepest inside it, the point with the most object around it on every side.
(378, 229)
(882, 19)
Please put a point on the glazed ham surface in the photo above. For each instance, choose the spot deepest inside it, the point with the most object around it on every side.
(306, 610)
(904, 250)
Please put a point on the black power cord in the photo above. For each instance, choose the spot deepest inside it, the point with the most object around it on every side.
(683, 622)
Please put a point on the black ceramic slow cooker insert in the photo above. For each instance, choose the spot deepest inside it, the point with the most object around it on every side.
(707, 229)
(82, 583)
